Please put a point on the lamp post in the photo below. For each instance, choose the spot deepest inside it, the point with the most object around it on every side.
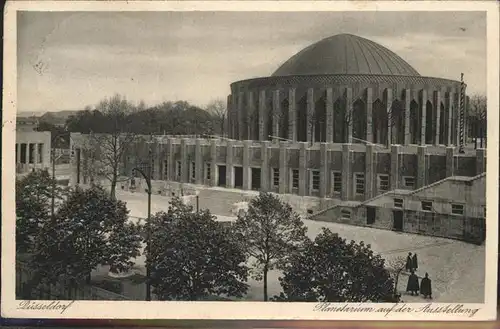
(147, 178)
(53, 159)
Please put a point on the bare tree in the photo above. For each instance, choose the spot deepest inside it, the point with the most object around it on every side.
(477, 118)
(396, 267)
(107, 149)
(217, 108)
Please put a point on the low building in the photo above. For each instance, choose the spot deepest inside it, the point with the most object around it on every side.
(32, 150)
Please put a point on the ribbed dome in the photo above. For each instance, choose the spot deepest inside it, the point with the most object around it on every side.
(345, 54)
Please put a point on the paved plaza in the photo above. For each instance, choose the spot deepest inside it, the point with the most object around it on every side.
(456, 268)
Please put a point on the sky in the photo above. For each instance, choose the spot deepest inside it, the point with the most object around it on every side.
(67, 60)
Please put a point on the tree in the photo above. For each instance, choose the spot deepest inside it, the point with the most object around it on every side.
(329, 269)
(109, 147)
(217, 108)
(477, 117)
(396, 267)
(90, 229)
(193, 256)
(33, 195)
(270, 232)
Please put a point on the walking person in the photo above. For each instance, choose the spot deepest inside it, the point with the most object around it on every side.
(414, 262)
(413, 286)
(426, 287)
(409, 262)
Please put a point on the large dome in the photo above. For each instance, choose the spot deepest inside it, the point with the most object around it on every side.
(345, 54)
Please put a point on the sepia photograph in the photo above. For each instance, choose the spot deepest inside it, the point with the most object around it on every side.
(330, 158)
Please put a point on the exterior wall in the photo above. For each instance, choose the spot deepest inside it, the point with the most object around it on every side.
(292, 108)
(40, 141)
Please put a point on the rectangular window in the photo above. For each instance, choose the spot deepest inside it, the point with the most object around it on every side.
(315, 180)
(193, 170)
(383, 183)
(398, 203)
(409, 181)
(208, 172)
(427, 205)
(276, 177)
(360, 183)
(346, 214)
(457, 209)
(178, 169)
(295, 178)
(337, 182)
(165, 169)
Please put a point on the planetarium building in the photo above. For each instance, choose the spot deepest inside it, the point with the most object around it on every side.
(345, 89)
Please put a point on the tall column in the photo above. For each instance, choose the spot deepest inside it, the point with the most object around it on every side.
(170, 160)
(241, 116)
(407, 136)
(246, 165)
(198, 162)
(276, 113)
(369, 115)
(450, 161)
(457, 115)
(394, 179)
(35, 155)
(18, 153)
(437, 107)
(292, 115)
(329, 115)
(388, 106)
(184, 162)
(370, 171)
(156, 161)
(480, 161)
(302, 168)
(28, 154)
(264, 170)
(423, 106)
(310, 114)
(229, 165)
(251, 117)
(449, 105)
(421, 168)
(323, 170)
(283, 168)
(213, 163)
(348, 111)
(262, 116)
(346, 172)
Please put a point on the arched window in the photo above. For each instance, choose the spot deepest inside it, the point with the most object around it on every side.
(340, 121)
(430, 127)
(398, 122)
(319, 120)
(359, 121)
(415, 125)
(379, 122)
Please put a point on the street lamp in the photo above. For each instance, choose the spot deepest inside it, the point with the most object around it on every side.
(54, 159)
(147, 178)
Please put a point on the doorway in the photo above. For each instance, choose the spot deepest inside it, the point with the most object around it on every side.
(222, 176)
(397, 216)
(256, 179)
(238, 177)
(371, 214)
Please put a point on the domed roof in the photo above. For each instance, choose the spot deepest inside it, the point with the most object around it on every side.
(345, 54)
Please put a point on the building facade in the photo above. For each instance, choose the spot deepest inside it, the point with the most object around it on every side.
(32, 150)
(346, 89)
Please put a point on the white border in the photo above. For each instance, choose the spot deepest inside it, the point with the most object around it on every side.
(236, 310)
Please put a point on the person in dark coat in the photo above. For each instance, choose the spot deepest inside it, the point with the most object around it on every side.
(426, 286)
(408, 262)
(414, 262)
(413, 286)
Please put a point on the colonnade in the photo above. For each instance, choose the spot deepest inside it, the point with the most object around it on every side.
(333, 115)
(29, 153)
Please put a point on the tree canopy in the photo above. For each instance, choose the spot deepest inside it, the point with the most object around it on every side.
(193, 257)
(90, 229)
(270, 232)
(330, 269)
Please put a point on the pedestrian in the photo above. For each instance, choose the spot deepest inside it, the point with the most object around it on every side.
(414, 262)
(426, 286)
(409, 262)
(412, 286)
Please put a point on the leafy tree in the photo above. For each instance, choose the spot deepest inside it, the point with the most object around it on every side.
(270, 232)
(329, 269)
(193, 256)
(477, 115)
(33, 201)
(90, 229)
(396, 267)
